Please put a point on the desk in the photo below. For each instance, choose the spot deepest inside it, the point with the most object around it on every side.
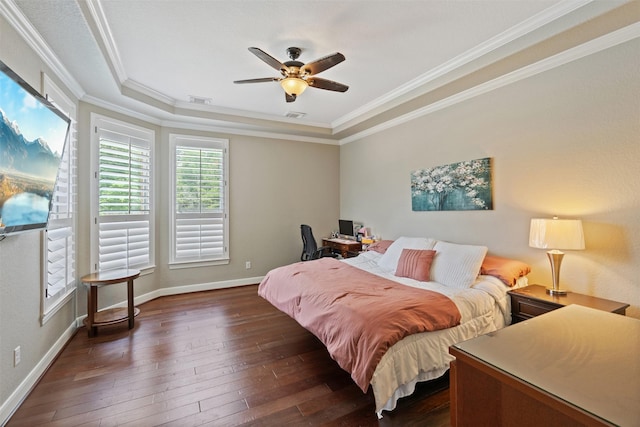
(110, 316)
(346, 248)
(574, 366)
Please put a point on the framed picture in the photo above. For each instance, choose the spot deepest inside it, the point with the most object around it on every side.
(454, 187)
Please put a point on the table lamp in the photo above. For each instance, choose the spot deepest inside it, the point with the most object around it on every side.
(556, 234)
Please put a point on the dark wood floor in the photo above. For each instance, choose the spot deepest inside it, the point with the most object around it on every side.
(220, 358)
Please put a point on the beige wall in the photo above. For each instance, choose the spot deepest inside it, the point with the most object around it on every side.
(565, 142)
(275, 185)
(20, 273)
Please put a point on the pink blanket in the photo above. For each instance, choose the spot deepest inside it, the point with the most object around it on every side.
(357, 315)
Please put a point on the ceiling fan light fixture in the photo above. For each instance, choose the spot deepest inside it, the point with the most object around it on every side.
(294, 85)
(296, 76)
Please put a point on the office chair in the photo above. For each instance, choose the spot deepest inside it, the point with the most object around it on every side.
(310, 249)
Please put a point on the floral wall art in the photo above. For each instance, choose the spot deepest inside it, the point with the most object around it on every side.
(454, 187)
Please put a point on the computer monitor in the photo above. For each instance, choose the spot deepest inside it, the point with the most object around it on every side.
(345, 227)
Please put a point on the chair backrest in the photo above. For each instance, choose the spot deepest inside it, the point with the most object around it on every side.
(309, 246)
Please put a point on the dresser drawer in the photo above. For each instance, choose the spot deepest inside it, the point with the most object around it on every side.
(532, 308)
(525, 308)
(533, 300)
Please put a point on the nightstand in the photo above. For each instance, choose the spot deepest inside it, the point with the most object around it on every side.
(533, 300)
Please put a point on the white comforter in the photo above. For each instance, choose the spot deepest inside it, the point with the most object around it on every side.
(485, 307)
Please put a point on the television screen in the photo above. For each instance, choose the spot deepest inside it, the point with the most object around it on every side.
(32, 139)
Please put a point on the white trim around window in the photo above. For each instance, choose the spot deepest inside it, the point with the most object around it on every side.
(199, 201)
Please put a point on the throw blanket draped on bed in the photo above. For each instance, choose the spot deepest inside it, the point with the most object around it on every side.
(357, 315)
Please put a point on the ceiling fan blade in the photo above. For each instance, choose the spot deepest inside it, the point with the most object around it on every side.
(262, 80)
(327, 84)
(273, 62)
(319, 65)
(289, 98)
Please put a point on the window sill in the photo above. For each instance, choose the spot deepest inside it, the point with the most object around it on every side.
(56, 306)
(175, 265)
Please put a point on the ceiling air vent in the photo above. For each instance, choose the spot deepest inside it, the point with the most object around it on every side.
(294, 114)
(199, 100)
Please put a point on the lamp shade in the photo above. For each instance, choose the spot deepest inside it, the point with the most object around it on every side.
(556, 234)
(293, 85)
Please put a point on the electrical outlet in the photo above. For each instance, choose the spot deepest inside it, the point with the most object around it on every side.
(247, 265)
(16, 356)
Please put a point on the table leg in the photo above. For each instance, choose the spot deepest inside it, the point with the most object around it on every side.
(130, 303)
(92, 308)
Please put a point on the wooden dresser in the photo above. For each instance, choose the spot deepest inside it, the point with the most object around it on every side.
(574, 366)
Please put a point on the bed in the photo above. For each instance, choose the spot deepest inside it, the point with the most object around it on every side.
(466, 288)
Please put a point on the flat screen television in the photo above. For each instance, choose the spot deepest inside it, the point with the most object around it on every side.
(33, 133)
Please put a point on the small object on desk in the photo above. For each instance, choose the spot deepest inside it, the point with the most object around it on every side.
(366, 242)
(110, 316)
(534, 300)
(346, 248)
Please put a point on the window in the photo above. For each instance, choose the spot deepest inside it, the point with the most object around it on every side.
(58, 255)
(199, 200)
(122, 195)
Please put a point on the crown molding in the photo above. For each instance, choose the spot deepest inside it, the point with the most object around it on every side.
(23, 27)
(248, 132)
(98, 102)
(201, 126)
(146, 91)
(94, 7)
(589, 48)
(413, 87)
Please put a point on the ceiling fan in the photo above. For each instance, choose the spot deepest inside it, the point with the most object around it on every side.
(297, 76)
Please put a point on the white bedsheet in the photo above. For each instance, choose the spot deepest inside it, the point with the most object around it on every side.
(485, 307)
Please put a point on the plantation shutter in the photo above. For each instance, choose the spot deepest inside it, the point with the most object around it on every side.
(62, 202)
(60, 260)
(200, 200)
(59, 248)
(124, 200)
(60, 242)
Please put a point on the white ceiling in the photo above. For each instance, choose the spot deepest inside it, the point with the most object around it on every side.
(150, 56)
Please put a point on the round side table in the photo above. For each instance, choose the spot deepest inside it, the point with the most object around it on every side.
(109, 316)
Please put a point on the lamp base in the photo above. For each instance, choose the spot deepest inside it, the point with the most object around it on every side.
(552, 291)
(555, 258)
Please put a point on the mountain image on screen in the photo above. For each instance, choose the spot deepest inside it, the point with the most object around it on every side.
(28, 172)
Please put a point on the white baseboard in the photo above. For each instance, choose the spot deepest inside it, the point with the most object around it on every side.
(176, 290)
(19, 394)
(10, 405)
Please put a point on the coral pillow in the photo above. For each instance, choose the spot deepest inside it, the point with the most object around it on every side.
(505, 269)
(380, 246)
(415, 264)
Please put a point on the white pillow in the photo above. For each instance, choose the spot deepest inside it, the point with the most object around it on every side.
(457, 265)
(389, 260)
